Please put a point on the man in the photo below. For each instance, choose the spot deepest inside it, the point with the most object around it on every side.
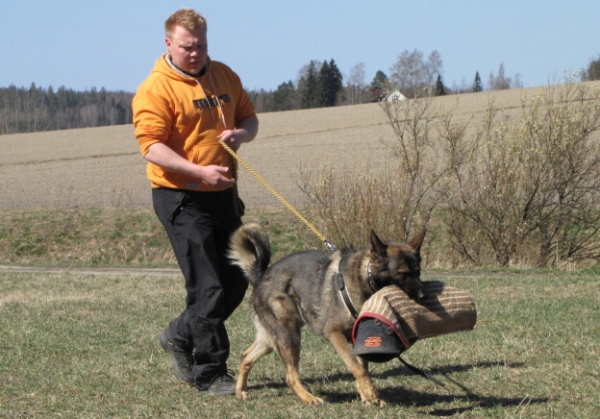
(180, 112)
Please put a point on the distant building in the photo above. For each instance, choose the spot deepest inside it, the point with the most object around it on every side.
(394, 96)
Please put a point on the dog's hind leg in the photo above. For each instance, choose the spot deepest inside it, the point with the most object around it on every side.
(249, 358)
(290, 355)
(358, 368)
(285, 327)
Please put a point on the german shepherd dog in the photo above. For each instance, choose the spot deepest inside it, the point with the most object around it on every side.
(302, 288)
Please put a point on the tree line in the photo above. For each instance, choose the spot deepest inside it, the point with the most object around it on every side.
(44, 109)
(318, 84)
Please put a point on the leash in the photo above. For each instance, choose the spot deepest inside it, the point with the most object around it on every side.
(420, 372)
(281, 199)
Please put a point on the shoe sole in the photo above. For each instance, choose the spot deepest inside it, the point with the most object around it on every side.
(220, 392)
(165, 345)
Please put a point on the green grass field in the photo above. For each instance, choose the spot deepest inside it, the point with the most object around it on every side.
(81, 345)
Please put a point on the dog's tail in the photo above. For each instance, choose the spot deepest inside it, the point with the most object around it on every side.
(250, 249)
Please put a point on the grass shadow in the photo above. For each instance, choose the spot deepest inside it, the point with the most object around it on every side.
(400, 396)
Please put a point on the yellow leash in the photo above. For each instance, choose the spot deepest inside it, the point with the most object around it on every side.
(327, 243)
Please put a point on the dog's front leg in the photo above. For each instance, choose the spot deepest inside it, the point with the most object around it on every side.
(358, 368)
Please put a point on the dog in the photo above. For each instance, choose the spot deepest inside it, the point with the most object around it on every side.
(306, 288)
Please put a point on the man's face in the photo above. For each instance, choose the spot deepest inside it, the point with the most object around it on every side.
(189, 49)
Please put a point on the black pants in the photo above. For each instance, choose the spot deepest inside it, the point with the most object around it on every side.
(199, 225)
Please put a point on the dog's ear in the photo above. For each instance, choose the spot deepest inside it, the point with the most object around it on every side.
(417, 241)
(378, 247)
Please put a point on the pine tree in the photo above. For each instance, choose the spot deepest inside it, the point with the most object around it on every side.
(309, 88)
(380, 80)
(284, 97)
(477, 86)
(322, 91)
(593, 71)
(330, 83)
(440, 90)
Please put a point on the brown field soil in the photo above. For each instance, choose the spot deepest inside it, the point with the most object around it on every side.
(102, 167)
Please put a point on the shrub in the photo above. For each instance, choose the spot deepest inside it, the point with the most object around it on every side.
(511, 187)
(527, 189)
(393, 197)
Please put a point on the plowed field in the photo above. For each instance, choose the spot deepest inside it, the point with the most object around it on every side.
(102, 167)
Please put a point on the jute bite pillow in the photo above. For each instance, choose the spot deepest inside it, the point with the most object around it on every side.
(445, 310)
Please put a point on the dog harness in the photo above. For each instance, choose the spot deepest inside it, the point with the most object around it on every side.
(339, 278)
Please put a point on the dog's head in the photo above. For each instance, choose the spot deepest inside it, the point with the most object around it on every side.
(394, 263)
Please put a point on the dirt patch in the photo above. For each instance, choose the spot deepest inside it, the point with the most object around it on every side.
(429, 275)
(92, 271)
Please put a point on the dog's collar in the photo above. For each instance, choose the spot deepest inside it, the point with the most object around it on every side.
(339, 278)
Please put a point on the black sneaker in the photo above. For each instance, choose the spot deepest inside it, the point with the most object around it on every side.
(182, 361)
(222, 386)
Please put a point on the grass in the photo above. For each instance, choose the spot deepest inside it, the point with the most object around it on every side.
(115, 237)
(85, 346)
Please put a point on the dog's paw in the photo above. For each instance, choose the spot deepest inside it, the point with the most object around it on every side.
(317, 402)
(312, 400)
(375, 403)
(242, 395)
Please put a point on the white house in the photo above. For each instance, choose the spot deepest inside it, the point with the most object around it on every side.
(394, 96)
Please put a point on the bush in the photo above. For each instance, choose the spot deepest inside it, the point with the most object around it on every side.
(509, 188)
(392, 197)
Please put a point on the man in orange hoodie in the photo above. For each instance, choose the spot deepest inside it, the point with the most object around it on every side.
(180, 112)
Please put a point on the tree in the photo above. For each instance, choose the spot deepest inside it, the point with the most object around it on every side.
(413, 75)
(500, 82)
(440, 90)
(477, 86)
(320, 88)
(329, 84)
(433, 66)
(308, 87)
(355, 85)
(322, 92)
(380, 81)
(408, 72)
(284, 97)
(593, 70)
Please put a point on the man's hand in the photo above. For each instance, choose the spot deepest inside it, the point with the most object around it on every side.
(230, 138)
(244, 132)
(214, 176)
(165, 157)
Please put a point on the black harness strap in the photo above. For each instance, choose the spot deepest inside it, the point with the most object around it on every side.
(342, 287)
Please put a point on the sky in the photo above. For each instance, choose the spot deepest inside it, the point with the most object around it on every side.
(81, 44)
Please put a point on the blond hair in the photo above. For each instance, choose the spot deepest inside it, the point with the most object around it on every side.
(186, 18)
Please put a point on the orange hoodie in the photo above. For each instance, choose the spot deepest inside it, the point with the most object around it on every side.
(182, 112)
